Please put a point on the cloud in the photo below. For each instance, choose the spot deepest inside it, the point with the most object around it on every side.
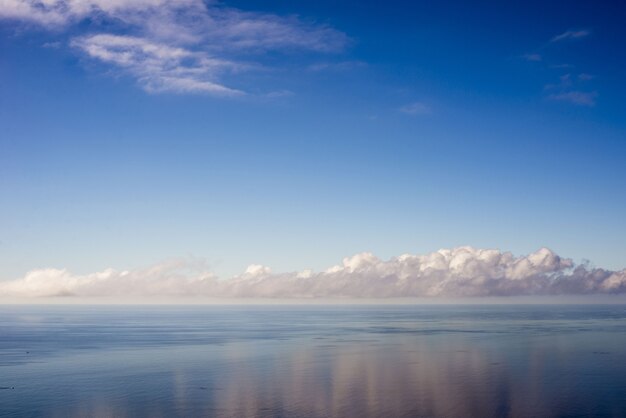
(179, 46)
(571, 34)
(579, 98)
(278, 94)
(532, 57)
(565, 82)
(566, 90)
(52, 45)
(561, 66)
(231, 28)
(336, 66)
(59, 13)
(159, 67)
(416, 108)
(457, 272)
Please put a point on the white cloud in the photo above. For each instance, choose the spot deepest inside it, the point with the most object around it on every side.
(231, 28)
(416, 108)
(159, 67)
(580, 98)
(571, 34)
(57, 13)
(256, 270)
(175, 45)
(458, 272)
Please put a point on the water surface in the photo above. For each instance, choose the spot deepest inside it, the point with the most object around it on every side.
(313, 361)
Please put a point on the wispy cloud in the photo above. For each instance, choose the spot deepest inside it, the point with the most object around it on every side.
(457, 272)
(416, 108)
(570, 88)
(336, 66)
(566, 90)
(532, 57)
(279, 94)
(565, 82)
(159, 67)
(52, 45)
(571, 34)
(60, 13)
(561, 66)
(579, 98)
(176, 46)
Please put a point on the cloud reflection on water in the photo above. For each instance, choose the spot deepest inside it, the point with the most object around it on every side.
(365, 362)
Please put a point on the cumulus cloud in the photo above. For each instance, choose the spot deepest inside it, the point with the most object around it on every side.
(178, 46)
(458, 272)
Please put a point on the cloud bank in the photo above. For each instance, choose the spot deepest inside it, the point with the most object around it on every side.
(458, 272)
(181, 46)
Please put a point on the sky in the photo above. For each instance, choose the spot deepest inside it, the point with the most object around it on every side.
(243, 135)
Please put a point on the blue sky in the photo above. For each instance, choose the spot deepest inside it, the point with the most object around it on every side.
(293, 134)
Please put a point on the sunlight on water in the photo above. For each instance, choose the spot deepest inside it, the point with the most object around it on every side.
(436, 361)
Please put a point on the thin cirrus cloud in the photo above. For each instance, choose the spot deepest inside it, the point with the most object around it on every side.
(457, 272)
(571, 34)
(158, 67)
(181, 46)
(580, 98)
(572, 90)
(532, 57)
(416, 108)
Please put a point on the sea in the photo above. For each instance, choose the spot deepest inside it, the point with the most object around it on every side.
(313, 361)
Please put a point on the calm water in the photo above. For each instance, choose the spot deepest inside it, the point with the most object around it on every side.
(441, 361)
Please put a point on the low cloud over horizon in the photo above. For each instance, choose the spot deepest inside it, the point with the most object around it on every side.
(457, 272)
